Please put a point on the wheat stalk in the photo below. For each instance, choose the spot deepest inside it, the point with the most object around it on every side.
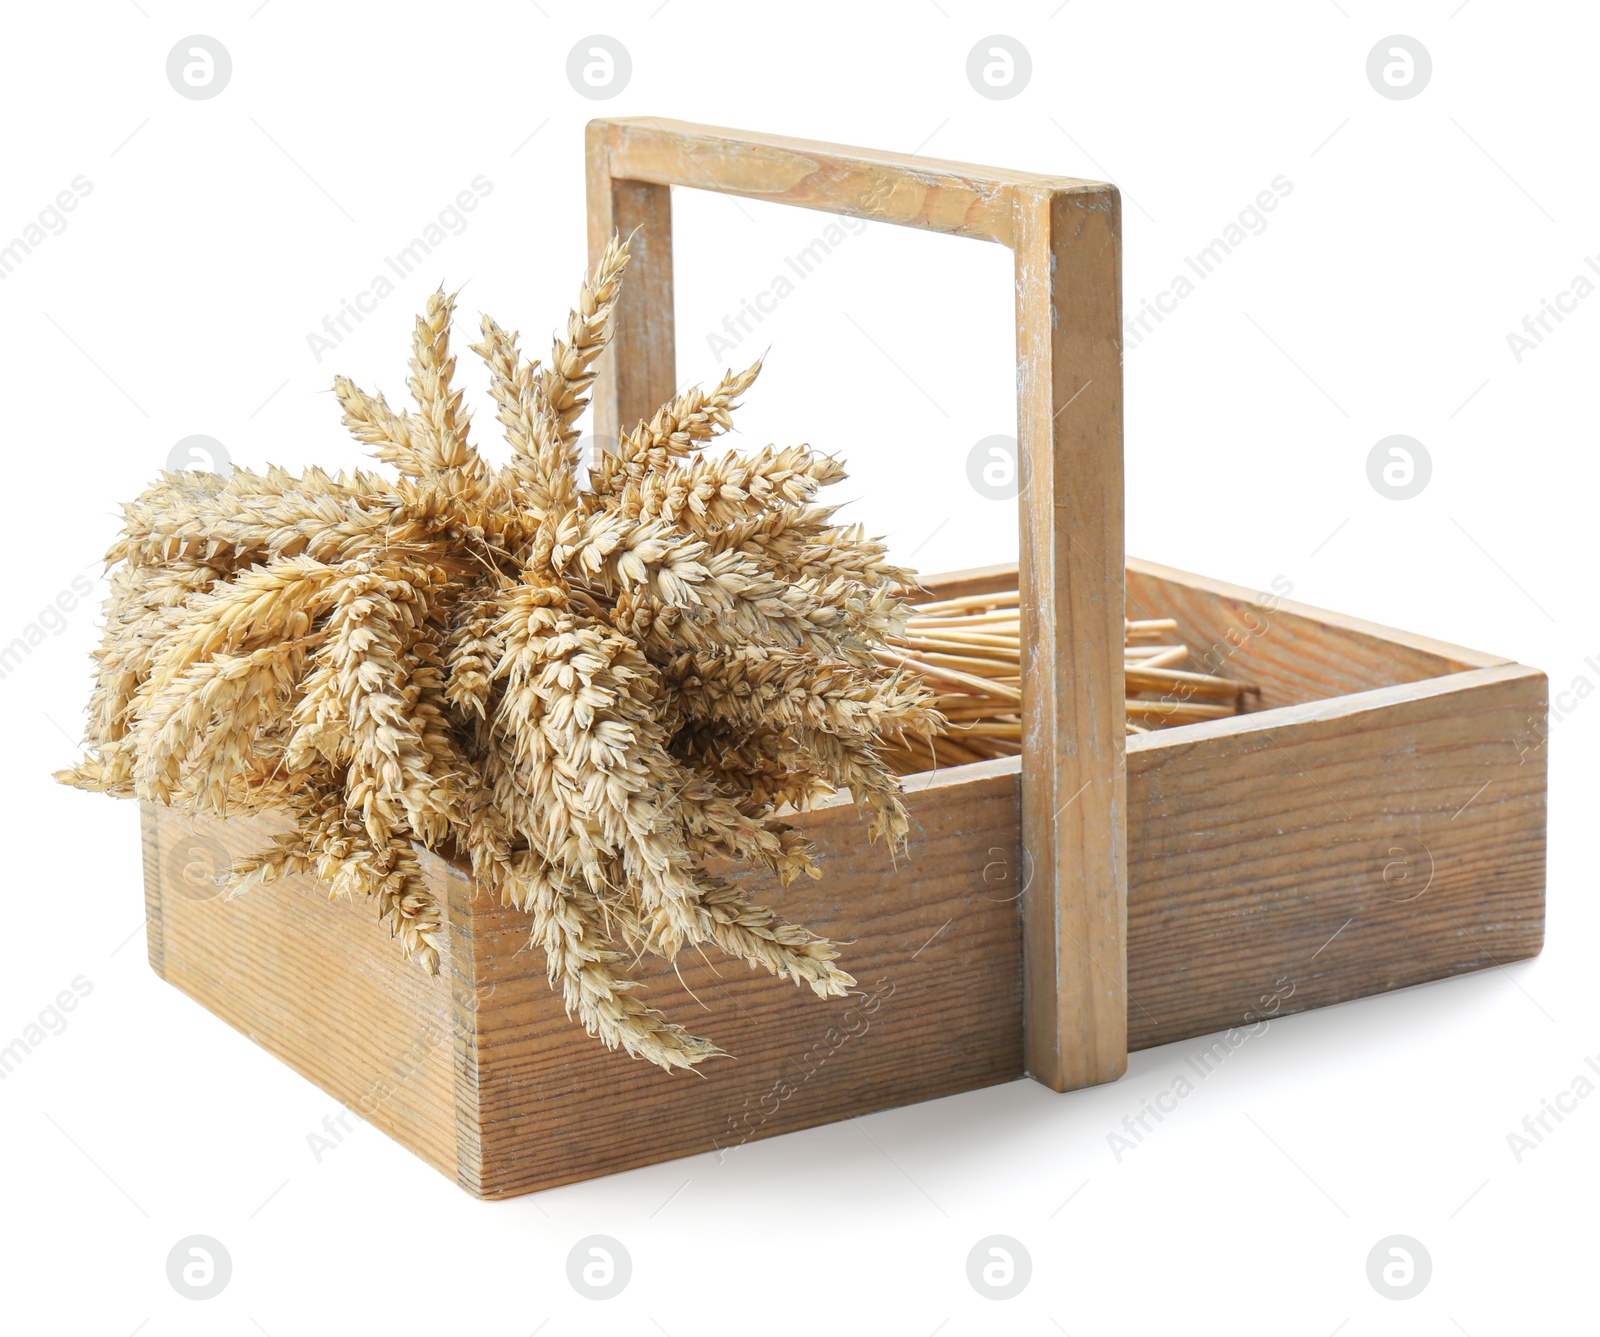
(968, 650)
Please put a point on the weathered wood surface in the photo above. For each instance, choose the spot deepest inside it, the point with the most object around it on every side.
(315, 982)
(1069, 428)
(1319, 852)
(1295, 652)
(959, 198)
(1333, 849)
(488, 1080)
(638, 371)
(935, 950)
(1066, 236)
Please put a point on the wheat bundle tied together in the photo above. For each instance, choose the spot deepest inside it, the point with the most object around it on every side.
(601, 693)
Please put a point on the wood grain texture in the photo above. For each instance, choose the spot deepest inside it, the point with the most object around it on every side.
(1295, 652)
(935, 952)
(1348, 846)
(959, 198)
(1066, 236)
(1069, 429)
(1258, 851)
(524, 1100)
(316, 982)
(995, 579)
(638, 372)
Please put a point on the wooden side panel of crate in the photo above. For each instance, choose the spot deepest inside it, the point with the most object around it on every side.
(514, 1097)
(1292, 651)
(1333, 850)
(934, 943)
(315, 982)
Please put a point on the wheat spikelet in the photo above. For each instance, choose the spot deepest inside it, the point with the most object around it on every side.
(678, 428)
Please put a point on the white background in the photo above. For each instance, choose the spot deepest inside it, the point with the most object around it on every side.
(219, 233)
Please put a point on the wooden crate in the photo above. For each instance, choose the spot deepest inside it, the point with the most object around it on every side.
(1377, 822)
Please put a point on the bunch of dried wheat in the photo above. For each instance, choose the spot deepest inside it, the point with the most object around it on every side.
(598, 692)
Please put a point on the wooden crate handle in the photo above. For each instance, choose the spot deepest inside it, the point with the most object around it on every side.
(1067, 239)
